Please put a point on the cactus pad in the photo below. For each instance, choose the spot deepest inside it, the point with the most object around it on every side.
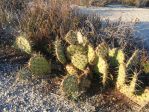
(59, 51)
(120, 56)
(81, 39)
(79, 61)
(91, 55)
(71, 37)
(71, 69)
(72, 49)
(23, 44)
(39, 65)
(112, 57)
(70, 86)
(121, 79)
(102, 50)
(102, 67)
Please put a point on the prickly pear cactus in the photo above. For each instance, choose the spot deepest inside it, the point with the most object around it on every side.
(72, 49)
(79, 61)
(81, 39)
(133, 84)
(102, 67)
(91, 55)
(23, 44)
(39, 66)
(71, 37)
(71, 69)
(121, 79)
(70, 86)
(120, 56)
(102, 50)
(133, 60)
(112, 57)
(59, 51)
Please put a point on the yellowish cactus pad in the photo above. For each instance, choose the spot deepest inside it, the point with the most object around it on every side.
(102, 68)
(102, 50)
(23, 44)
(71, 37)
(79, 61)
(120, 56)
(121, 78)
(91, 55)
(71, 69)
(72, 49)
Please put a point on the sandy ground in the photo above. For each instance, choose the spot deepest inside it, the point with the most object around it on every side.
(127, 14)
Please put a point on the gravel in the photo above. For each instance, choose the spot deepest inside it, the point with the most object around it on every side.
(42, 95)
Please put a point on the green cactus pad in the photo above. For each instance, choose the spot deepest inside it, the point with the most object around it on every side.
(59, 51)
(71, 69)
(120, 56)
(102, 50)
(72, 49)
(23, 44)
(70, 86)
(91, 55)
(79, 61)
(71, 37)
(39, 66)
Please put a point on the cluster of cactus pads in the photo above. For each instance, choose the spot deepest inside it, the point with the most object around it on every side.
(38, 65)
(82, 61)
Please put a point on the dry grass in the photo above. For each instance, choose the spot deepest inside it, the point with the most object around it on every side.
(43, 21)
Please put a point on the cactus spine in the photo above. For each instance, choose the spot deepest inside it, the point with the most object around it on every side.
(133, 59)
